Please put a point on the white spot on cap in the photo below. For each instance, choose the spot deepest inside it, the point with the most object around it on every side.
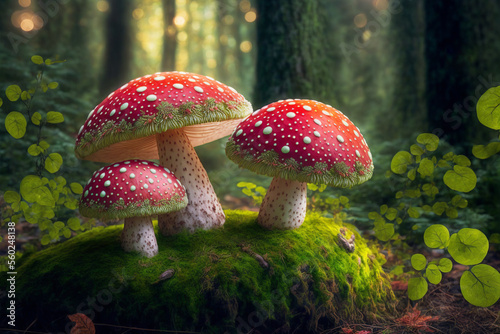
(169, 181)
(132, 188)
(345, 123)
(153, 171)
(80, 131)
(307, 140)
(290, 115)
(124, 106)
(151, 98)
(107, 183)
(316, 133)
(102, 194)
(291, 103)
(356, 133)
(285, 149)
(198, 89)
(100, 109)
(317, 121)
(112, 112)
(370, 155)
(123, 170)
(307, 108)
(271, 109)
(267, 130)
(151, 180)
(239, 132)
(102, 175)
(141, 89)
(146, 186)
(132, 175)
(340, 138)
(220, 89)
(178, 86)
(326, 113)
(357, 153)
(158, 78)
(191, 80)
(86, 193)
(259, 123)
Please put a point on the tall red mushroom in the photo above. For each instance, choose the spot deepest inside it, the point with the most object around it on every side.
(163, 116)
(134, 190)
(298, 142)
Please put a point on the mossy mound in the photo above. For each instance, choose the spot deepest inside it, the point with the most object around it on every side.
(219, 284)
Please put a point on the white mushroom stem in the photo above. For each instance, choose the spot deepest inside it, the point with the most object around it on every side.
(203, 210)
(138, 235)
(284, 207)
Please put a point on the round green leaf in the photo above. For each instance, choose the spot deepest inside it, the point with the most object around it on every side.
(53, 85)
(413, 212)
(44, 145)
(412, 173)
(13, 92)
(53, 162)
(34, 150)
(74, 224)
(76, 187)
(1, 102)
(37, 59)
(426, 167)
(400, 162)
(416, 149)
(36, 118)
(484, 152)
(55, 117)
(45, 240)
(481, 285)
(488, 108)
(436, 236)
(460, 179)
(433, 274)
(445, 265)
(33, 191)
(451, 213)
(66, 232)
(15, 124)
(430, 141)
(384, 232)
(11, 196)
(418, 261)
(59, 225)
(417, 288)
(461, 160)
(469, 246)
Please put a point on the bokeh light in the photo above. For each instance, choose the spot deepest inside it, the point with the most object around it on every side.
(251, 16)
(182, 36)
(360, 20)
(381, 4)
(245, 6)
(138, 13)
(25, 3)
(26, 20)
(179, 21)
(246, 46)
(102, 6)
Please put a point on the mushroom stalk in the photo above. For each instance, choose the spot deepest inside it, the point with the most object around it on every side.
(139, 235)
(284, 206)
(203, 210)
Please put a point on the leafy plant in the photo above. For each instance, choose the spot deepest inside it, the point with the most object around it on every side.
(488, 113)
(44, 197)
(257, 193)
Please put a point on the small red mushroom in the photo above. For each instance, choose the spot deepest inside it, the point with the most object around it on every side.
(163, 116)
(134, 190)
(298, 142)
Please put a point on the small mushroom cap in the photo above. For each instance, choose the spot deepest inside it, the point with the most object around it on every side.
(124, 124)
(133, 188)
(302, 140)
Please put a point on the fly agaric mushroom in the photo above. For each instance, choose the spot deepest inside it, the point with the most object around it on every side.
(298, 142)
(163, 116)
(134, 190)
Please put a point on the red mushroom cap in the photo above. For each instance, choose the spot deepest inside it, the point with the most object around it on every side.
(124, 124)
(302, 140)
(134, 188)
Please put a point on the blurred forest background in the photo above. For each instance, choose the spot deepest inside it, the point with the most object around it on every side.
(395, 68)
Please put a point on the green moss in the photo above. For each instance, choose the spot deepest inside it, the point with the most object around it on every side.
(218, 284)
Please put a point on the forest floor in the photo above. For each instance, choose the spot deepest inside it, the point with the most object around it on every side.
(442, 310)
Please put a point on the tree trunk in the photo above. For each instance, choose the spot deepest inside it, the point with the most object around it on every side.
(170, 36)
(116, 69)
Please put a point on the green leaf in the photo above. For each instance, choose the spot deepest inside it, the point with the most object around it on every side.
(44, 145)
(391, 214)
(1, 102)
(53, 162)
(469, 246)
(484, 152)
(399, 194)
(55, 117)
(25, 96)
(481, 285)
(66, 232)
(15, 124)
(59, 225)
(412, 174)
(384, 232)
(33, 191)
(45, 240)
(13, 92)
(11, 196)
(383, 209)
(247, 192)
(430, 141)
(37, 59)
(461, 160)
(433, 274)
(74, 224)
(460, 179)
(418, 261)
(413, 212)
(400, 162)
(451, 213)
(436, 236)
(36, 118)
(430, 190)
(416, 149)
(488, 108)
(445, 265)
(77, 187)
(344, 200)
(426, 167)
(413, 193)
(417, 288)
(459, 201)
(443, 163)
(448, 156)
(53, 85)
(34, 150)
